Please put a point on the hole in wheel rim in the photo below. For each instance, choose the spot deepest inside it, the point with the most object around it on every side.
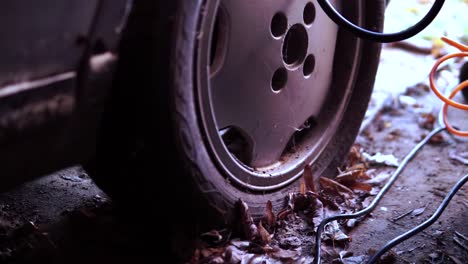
(309, 65)
(300, 136)
(279, 80)
(295, 45)
(237, 143)
(279, 25)
(309, 13)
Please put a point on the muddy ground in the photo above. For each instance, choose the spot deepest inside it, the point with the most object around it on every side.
(65, 218)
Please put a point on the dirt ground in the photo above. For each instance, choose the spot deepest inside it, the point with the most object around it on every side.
(65, 218)
(398, 128)
(423, 184)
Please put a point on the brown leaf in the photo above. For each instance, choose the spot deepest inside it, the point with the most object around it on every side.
(361, 186)
(264, 236)
(348, 178)
(336, 186)
(354, 156)
(248, 227)
(394, 134)
(417, 90)
(426, 120)
(309, 179)
(437, 139)
(269, 216)
(329, 202)
(282, 215)
(302, 188)
(357, 166)
(318, 212)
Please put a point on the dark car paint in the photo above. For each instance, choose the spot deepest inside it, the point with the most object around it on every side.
(56, 67)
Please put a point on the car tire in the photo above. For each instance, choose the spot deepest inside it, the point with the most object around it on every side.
(153, 139)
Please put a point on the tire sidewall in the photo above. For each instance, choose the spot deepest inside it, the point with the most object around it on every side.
(200, 167)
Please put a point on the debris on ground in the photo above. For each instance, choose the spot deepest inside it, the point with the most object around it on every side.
(460, 243)
(461, 157)
(426, 120)
(417, 90)
(288, 235)
(436, 140)
(381, 159)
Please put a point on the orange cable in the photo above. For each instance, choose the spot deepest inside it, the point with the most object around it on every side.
(448, 101)
(432, 82)
(447, 124)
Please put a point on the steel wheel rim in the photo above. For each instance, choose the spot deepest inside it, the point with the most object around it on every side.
(221, 55)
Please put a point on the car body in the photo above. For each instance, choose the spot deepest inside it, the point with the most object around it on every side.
(57, 59)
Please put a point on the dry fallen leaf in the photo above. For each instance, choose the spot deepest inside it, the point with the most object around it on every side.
(285, 212)
(282, 215)
(333, 232)
(332, 185)
(354, 156)
(309, 179)
(394, 134)
(358, 166)
(437, 139)
(351, 176)
(248, 226)
(318, 213)
(302, 187)
(263, 234)
(269, 215)
(361, 186)
(418, 89)
(426, 120)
